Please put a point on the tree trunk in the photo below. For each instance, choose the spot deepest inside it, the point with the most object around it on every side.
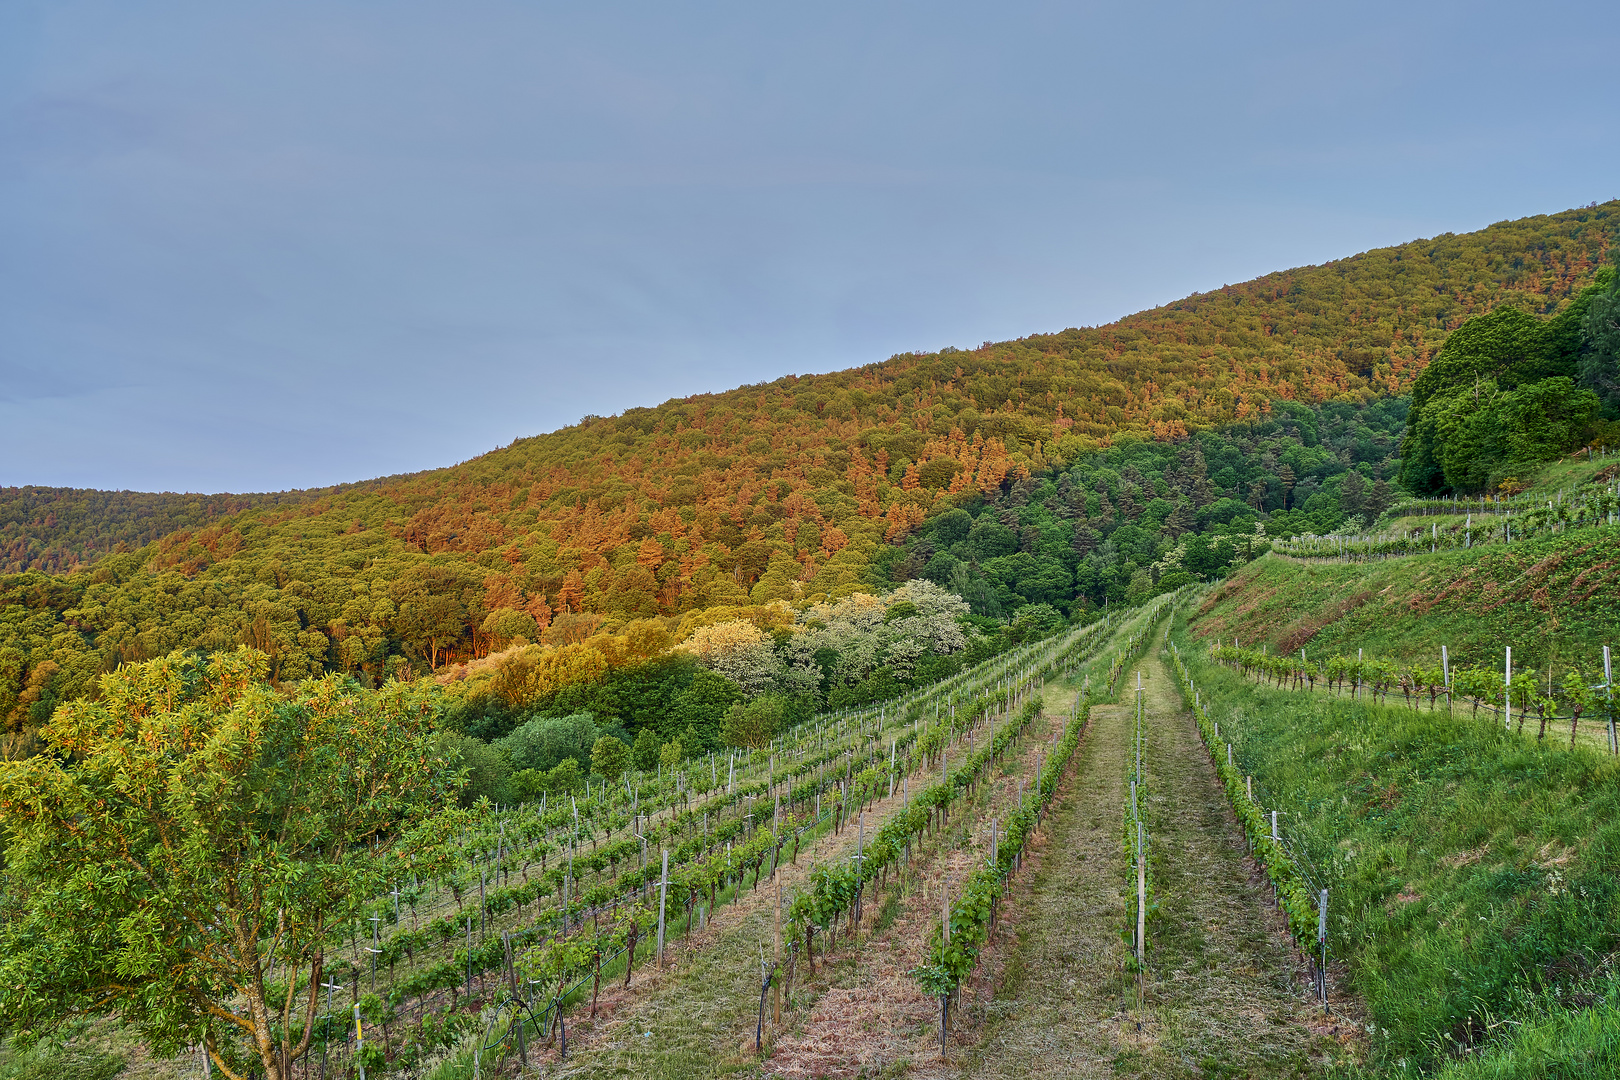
(276, 1058)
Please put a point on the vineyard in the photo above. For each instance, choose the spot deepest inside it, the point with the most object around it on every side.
(1442, 861)
(1507, 694)
(1500, 521)
(549, 901)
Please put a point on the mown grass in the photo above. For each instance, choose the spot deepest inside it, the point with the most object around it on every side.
(1554, 599)
(88, 1050)
(1474, 875)
(49, 1063)
(1483, 521)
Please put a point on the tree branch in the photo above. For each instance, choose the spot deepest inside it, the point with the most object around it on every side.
(310, 1006)
(208, 1048)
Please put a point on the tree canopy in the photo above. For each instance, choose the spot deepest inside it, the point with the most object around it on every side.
(1505, 394)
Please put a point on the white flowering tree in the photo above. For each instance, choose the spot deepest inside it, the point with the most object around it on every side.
(739, 651)
(840, 643)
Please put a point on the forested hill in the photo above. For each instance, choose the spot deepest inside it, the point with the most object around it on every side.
(62, 529)
(1356, 328)
(781, 490)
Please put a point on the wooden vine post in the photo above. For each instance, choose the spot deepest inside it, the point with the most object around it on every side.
(1141, 896)
(776, 955)
(1445, 674)
(1321, 937)
(663, 893)
(945, 997)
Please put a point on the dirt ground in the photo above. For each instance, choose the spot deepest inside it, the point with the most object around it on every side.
(872, 1016)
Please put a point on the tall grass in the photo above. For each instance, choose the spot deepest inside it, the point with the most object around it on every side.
(1553, 1039)
(1472, 872)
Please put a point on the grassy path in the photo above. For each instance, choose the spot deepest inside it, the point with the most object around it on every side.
(1059, 1008)
(1224, 997)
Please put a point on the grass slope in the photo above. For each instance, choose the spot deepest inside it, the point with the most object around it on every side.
(1475, 874)
(1553, 599)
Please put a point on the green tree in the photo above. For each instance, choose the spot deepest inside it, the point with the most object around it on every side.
(435, 605)
(1037, 620)
(610, 757)
(1546, 418)
(1380, 498)
(1353, 494)
(1599, 368)
(1501, 394)
(488, 773)
(543, 742)
(752, 724)
(645, 750)
(566, 777)
(952, 526)
(1287, 478)
(671, 754)
(1181, 520)
(195, 828)
(1477, 433)
(1141, 588)
(527, 785)
(699, 708)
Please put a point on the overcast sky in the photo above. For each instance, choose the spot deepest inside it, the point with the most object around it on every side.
(252, 246)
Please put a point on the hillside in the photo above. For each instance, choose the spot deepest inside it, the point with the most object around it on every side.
(1552, 594)
(1471, 862)
(63, 529)
(806, 486)
(1554, 600)
(1469, 868)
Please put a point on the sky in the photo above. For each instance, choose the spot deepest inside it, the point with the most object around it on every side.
(253, 246)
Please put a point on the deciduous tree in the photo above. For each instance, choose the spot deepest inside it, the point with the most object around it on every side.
(183, 851)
